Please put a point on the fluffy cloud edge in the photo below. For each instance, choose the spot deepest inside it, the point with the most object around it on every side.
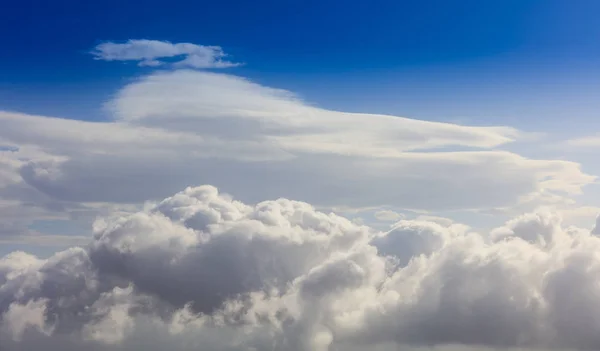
(201, 268)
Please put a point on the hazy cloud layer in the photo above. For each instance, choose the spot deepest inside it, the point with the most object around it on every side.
(172, 129)
(200, 269)
(589, 142)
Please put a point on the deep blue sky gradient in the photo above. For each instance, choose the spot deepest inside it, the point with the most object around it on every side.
(477, 61)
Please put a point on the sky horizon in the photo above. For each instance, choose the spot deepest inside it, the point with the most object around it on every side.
(299, 175)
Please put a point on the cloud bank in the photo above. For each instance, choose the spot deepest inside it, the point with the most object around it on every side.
(200, 269)
(174, 128)
(157, 53)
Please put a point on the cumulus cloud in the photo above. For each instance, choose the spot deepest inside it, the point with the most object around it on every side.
(154, 52)
(201, 269)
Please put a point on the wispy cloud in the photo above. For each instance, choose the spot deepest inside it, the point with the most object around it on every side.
(388, 215)
(585, 142)
(154, 52)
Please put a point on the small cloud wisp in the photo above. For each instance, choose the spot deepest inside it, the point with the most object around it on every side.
(153, 53)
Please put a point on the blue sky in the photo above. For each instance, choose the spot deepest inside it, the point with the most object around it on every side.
(486, 61)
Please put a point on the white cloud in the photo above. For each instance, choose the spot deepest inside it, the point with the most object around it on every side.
(174, 129)
(388, 215)
(446, 222)
(227, 105)
(573, 214)
(153, 52)
(200, 269)
(18, 318)
(178, 128)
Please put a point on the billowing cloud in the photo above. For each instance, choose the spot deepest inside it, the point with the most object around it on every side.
(154, 52)
(201, 269)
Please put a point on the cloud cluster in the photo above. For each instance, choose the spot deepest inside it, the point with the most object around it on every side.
(200, 269)
(157, 53)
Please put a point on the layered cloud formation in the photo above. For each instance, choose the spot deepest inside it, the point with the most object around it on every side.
(170, 129)
(200, 269)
